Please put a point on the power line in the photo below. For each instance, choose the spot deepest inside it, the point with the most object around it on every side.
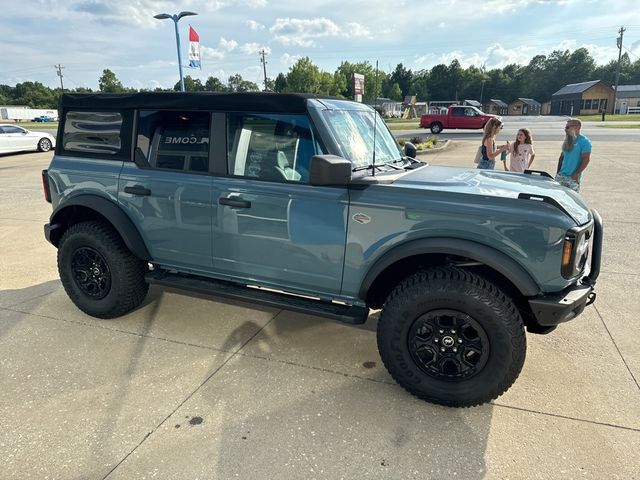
(59, 72)
(264, 67)
(615, 90)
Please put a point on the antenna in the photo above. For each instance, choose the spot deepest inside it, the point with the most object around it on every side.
(375, 120)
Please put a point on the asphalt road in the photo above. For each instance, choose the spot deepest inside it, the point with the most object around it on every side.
(542, 128)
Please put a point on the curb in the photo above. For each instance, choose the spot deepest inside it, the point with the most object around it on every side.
(439, 148)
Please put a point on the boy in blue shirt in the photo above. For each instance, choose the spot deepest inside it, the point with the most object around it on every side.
(575, 156)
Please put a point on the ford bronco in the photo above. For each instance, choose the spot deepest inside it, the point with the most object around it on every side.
(308, 204)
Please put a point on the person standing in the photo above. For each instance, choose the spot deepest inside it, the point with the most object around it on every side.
(522, 152)
(489, 150)
(575, 156)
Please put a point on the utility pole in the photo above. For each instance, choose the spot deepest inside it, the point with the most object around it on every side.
(59, 72)
(615, 90)
(264, 67)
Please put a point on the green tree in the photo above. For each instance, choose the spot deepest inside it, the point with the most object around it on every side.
(109, 83)
(395, 93)
(303, 77)
(213, 84)
(403, 78)
(237, 84)
(280, 84)
(35, 95)
(190, 85)
(420, 85)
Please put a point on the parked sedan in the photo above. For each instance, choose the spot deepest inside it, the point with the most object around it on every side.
(17, 139)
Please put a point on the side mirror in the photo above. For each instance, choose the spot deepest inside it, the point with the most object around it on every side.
(329, 170)
(410, 150)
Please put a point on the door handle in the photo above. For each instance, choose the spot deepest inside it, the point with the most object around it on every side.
(137, 190)
(234, 202)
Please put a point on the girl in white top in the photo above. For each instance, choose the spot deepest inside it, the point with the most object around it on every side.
(522, 153)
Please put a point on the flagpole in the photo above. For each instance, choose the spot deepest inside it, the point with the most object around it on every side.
(175, 23)
(175, 18)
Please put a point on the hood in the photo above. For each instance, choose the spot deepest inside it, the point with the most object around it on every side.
(494, 183)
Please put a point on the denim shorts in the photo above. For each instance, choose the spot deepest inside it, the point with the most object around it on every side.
(486, 164)
(568, 182)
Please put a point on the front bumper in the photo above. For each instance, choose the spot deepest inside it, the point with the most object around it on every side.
(553, 309)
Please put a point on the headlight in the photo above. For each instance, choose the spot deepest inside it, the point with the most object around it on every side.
(575, 250)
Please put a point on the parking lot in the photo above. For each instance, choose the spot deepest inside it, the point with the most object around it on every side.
(195, 387)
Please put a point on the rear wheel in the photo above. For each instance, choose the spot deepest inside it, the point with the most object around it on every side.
(451, 337)
(98, 272)
(44, 145)
(436, 127)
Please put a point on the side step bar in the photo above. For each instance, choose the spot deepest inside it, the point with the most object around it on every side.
(344, 313)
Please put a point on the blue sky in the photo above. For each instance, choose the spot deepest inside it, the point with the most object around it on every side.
(86, 36)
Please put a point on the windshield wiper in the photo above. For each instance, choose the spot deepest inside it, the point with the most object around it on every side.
(367, 167)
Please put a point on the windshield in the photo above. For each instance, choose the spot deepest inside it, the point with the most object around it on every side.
(354, 133)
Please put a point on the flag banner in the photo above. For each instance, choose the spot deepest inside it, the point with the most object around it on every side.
(194, 48)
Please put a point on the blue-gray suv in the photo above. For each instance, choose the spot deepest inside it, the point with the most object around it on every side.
(309, 204)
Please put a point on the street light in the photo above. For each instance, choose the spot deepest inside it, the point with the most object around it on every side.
(175, 18)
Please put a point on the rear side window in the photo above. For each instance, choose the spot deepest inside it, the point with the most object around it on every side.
(93, 133)
(173, 140)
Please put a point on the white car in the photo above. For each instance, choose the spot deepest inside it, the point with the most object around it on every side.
(17, 139)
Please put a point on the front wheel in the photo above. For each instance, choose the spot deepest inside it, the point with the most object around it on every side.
(451, 337)
(44, 145)
(98, 272)
(436, 127)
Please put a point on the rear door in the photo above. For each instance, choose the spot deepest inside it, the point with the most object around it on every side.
(271, 227)
(167, 190)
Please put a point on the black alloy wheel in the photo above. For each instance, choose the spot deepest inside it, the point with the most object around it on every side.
(91, 272)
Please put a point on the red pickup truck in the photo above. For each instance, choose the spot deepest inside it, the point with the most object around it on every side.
(458, 116)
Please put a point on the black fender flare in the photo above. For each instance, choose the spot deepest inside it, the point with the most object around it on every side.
(113, 213)
(491, 257)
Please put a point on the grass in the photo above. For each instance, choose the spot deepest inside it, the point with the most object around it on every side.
(33, 125)
(406, 126)
(618, 126)
(400, 120)
(609, 118)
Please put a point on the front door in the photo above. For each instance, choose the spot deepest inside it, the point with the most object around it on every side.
(271, 227)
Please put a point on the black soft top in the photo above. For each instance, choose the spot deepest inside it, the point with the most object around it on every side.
(261, 102)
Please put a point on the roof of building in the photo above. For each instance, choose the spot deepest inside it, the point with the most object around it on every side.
(576, 87)
(628, 91)
(473, 103)
(529, 101)
(499, 103)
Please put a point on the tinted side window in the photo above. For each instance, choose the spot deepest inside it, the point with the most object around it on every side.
(11, 129)
(93, 132)
(270, 147)
(173, 140)
(458, 112)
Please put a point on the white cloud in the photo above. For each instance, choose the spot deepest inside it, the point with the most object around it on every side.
(253, 48)
(211, 53)
(303, 32)
(288, 60)
(254, 3)
(253, 25)
(228, 45)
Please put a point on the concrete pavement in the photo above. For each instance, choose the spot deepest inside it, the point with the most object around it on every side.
(193, 387)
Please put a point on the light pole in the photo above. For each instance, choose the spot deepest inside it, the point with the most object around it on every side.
(481, 92)
(175, 18)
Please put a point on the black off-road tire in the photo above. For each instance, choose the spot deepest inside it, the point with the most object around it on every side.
(118, 285)
(416, 322)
